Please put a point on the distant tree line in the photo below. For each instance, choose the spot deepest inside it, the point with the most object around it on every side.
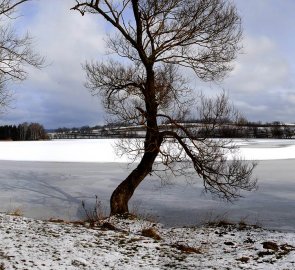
(245, 129)
(239, 129)
(266, 131)
(23, 132)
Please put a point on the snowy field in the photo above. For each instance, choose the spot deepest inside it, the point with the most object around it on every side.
(33, 244)
(102, 150)
(50, 179)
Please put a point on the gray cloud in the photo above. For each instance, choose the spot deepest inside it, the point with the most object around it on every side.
(55, 95)
(261, 67)
(262, 85)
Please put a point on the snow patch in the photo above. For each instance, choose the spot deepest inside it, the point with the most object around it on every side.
(103, 150)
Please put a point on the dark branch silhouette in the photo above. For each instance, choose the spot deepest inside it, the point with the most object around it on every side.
(156, 40)
(15, 51)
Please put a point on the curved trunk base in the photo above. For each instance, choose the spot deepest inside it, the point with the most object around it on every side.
(123, 193)
(119, 200)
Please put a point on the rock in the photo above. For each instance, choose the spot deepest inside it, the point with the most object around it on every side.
(270, 245)
(244, 259)
(229, 243)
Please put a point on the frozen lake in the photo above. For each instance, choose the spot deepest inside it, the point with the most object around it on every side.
(55, 189)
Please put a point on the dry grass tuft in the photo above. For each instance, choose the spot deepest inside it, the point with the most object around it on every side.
(270, 245)
(244, 259)
(57, 220)
(95, 215)
(109, 226)
(151, 233)
(187, 249)
(18, 212)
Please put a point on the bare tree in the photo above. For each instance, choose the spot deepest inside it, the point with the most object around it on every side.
(157, 38)
(15, 51)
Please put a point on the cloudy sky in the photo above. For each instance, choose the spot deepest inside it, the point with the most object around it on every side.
(262, 85)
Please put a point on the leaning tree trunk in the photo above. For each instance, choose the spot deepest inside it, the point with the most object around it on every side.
(123, 193)
(152, 143)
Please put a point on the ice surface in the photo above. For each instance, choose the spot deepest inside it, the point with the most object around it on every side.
(48, 189)
(76, 170)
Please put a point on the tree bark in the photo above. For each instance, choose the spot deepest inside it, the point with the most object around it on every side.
(152, 143)
(123, 193)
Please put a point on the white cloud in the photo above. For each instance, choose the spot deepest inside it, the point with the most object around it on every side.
(244, 106)
(290, 98)
(56, 93)
(66, 39)
(261, 84)
(261, 67)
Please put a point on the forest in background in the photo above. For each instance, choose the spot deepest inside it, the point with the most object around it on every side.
(23, 132)
(241, 129)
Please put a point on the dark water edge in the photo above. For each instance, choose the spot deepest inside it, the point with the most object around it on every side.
(55, 190)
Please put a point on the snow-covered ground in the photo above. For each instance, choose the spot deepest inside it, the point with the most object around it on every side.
(102, 150)
(32, 244)
(267, 149)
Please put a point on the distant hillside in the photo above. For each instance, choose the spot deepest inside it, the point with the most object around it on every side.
(200, 130)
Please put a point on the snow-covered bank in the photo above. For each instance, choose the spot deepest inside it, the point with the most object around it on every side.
(32, 244)
(267, 149)
(60, 151)
(102, 150)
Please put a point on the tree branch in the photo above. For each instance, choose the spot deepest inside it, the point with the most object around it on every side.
(5, 6)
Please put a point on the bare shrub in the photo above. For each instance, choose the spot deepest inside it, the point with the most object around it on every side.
(96, 214)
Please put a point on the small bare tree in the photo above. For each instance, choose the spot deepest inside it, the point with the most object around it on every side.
(156, 38)
(15, 51)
